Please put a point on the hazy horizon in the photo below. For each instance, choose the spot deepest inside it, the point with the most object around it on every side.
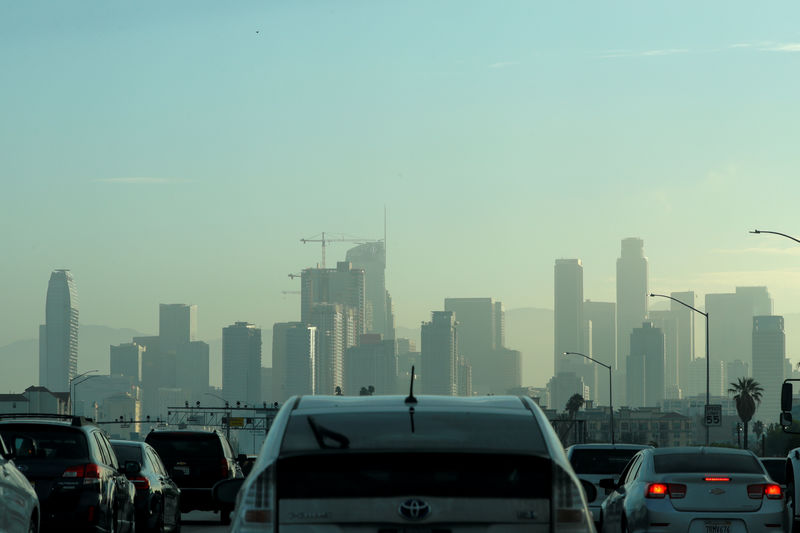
(178, 153)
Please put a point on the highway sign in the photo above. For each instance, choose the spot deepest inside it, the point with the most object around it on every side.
(714, 415)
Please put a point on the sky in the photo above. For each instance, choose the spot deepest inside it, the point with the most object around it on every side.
(178, 151)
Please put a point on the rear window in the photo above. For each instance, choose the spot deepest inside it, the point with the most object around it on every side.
(173, 447)
(776, 470)
(374, 475)
(424, 431)
(600, 462)
(703, 463)
(127, 453)
(29, 441)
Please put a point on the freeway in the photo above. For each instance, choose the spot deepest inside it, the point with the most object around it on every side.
(202, 522)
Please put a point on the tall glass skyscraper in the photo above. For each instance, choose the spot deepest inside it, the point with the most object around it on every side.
(58, 337)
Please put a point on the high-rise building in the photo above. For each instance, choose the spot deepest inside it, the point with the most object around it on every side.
(192, 363)
(769, 352)
(371, 257)
(685, 319)
(335, 334)
(372, 363)
(645, 367)
(58, 337)
(343, 285)
(481, 331)
(126, 360)
(158, 371)
(440, 354)
(631, 296)
(667, 322)
(241, 363)
(562, 387)
(177, 324)
(294, 347)
(730, 322)
(603, 319)
(568, 316)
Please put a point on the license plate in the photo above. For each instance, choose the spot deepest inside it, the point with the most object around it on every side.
(718, 526)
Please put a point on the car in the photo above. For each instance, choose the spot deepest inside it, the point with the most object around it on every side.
(419, 463)
(19, 505)
(776, 468)
(74, 471)
(593, 462)
(708, 490)
(197, 460)
(157, 495)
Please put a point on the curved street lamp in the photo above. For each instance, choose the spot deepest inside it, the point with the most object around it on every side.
(610, 397)
(708, 387)
(758, 232)
(227, 406)
(73, 385)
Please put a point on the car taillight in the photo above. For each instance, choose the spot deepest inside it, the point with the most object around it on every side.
(657, 490)
(568, 503)
(676, 490)
(717, 479)
(141, 483)
(223, 467)
(770, 490)
(90, 473)
(257, 504)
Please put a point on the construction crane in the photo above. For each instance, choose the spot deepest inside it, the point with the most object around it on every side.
(321, 238)
(292, 276)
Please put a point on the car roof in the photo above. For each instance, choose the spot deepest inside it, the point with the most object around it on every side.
(700, 450)
(499, 404)
(609, 447)
(136, 443)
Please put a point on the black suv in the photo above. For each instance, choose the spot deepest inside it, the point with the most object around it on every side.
(196, 460)
(73, 470)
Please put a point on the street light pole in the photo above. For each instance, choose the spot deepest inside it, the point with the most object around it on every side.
(708, 381)
(227, 406)
(72, 386)
(610, 395)
(756, 231)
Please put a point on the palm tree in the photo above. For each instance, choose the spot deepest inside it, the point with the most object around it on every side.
(574, 403)
(747, 395)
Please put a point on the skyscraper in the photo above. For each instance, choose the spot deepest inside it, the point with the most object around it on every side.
(769, 352)
(631, 295)
(293, 360)
(335, 334)
(440, 354)
(667, 322)
(685, 323)
(58, 337)
(372, 363)
(192, 364)
(568, 316)
(341, 285)
(603, 319)
(177, 324)
(645, 366)
(241, 363)
(126, 360)
(371, 257)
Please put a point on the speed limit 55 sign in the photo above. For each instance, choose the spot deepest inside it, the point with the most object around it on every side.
(713, 415)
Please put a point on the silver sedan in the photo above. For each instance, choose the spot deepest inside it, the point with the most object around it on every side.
(699, 490)
(19, 505)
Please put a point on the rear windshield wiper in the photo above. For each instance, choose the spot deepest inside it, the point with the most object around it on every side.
(321, 433)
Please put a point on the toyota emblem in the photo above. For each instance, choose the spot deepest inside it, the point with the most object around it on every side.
(414, 509)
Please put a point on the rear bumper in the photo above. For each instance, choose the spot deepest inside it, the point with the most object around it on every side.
(771, 521)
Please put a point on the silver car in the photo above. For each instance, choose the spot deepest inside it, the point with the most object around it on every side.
(699, 490)
(335, 464)
(593, 462)
(19, 505)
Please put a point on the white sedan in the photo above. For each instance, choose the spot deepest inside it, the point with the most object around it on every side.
(19, 505)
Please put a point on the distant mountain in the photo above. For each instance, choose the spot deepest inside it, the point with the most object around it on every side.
(20, 360)
(530, 330)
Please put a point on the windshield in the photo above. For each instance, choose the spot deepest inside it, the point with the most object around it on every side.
(600, 462)
(31, 442)
(706, 464)
(128, 453)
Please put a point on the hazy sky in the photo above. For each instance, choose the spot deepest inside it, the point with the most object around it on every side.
(178, 151)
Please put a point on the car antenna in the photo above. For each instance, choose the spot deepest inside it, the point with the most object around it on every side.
(410, 398)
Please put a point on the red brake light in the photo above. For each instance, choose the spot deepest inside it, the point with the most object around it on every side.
(773, 491)
(656, 490)
(224, 467)
(89, 473)
(717, 479)
(677, 490)
(92, 471)
(770, 490)
(74, 471)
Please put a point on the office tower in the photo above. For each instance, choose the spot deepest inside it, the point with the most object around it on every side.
(730, 317)
(158, 371)
(464, 378)
(406, 346)
(480, 332)
(177, 324)
(735, 370)
(602, 317)
(685, 319)
(241, 363)
(440, 354)
(341, 285)
(126, 360)
(372, 363)
(645, 367)
(568, 317)
(58, 337)
(371, 258)
(390, 330)
(632, 295)
(335, 334)
(667, 322)
(769, 352)
(562, 387)
(294, 347)
(192, 375)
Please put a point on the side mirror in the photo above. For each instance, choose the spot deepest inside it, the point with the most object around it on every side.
(786, 397)
(132, 468)
(608, 483)
(786, 419)
(226, 490)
